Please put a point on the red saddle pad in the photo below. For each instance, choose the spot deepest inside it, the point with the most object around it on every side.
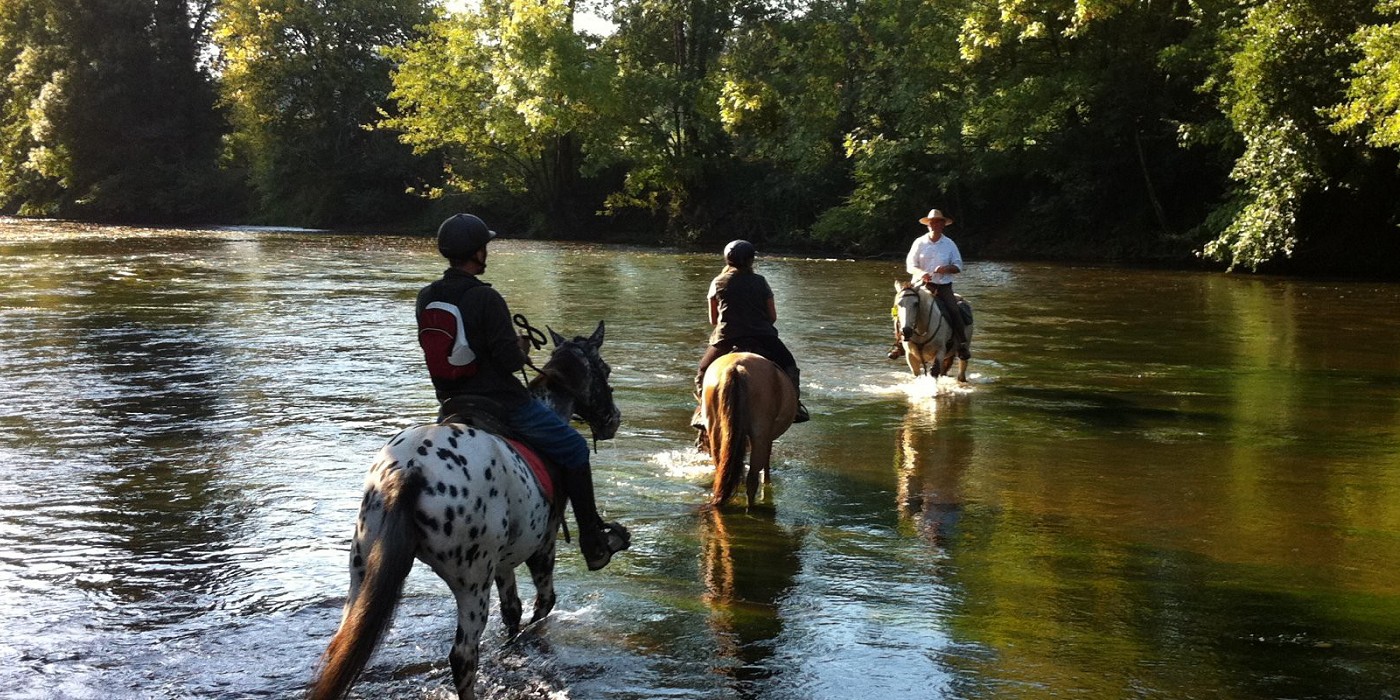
(537, 465)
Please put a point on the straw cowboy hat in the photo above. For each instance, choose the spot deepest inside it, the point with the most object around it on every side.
(935, 214)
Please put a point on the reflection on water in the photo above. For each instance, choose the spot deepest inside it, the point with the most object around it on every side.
(931, 465)
(749, 562)
(1155, 484)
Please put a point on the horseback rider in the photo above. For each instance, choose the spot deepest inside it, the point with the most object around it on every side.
(743, 312)
(473, 352)
(933, 259)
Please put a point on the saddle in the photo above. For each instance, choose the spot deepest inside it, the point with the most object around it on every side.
(484, 415)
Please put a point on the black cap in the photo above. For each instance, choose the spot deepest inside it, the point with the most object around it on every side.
(461, 235)
(739, 253)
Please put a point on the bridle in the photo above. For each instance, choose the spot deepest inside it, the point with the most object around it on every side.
(929, 333)
(590, 399)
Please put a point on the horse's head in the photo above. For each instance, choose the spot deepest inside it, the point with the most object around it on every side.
(915, 310)
(576, 369)
(906, 307)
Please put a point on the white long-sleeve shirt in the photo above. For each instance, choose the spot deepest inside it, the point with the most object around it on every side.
(927, 255)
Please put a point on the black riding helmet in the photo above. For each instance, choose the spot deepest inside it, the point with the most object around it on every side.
(739, 253)
(461, 235)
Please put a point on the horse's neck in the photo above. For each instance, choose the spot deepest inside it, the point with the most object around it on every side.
(929, 313)
(560, 402)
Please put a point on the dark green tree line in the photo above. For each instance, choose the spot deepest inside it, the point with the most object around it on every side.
(1258, 134)
(107, 114)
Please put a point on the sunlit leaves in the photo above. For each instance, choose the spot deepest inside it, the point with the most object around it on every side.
(1373, 95)
(1283, 73)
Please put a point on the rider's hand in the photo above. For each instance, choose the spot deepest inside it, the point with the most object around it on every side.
(524, 342)
(928, 277)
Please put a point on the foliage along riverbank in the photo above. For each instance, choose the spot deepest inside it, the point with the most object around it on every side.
(1252, 134)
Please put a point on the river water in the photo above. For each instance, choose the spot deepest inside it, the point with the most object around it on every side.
(1155, 485)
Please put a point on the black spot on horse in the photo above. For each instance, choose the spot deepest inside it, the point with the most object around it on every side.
(423, 450)
(427, 521)
(445, 454)
(487, 474)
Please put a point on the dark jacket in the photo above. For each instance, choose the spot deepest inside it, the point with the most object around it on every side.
(487, 322)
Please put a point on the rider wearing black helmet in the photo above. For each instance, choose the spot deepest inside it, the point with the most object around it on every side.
(472, 350)
(743, 312)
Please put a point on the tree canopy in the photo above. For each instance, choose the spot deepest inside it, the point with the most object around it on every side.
(1252, 135)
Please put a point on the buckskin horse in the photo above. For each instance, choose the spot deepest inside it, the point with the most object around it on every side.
(927, 336)
(466, 503)
(749, 402)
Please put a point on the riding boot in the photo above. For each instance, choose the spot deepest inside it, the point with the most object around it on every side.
(795, 374)
(697, 417)
(897, 351)
(597, 540)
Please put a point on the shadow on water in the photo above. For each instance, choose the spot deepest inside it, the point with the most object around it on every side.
(1110, 410)
(748, 564)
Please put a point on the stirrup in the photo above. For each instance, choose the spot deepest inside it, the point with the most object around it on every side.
(615, 538)
(802, 415)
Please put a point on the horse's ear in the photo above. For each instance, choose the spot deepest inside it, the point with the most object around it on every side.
(597, 337)
(558, 339)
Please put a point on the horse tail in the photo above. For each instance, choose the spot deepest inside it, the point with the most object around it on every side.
(388, 547)
(729, 432)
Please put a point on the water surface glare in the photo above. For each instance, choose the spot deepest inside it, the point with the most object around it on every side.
(1156, 484)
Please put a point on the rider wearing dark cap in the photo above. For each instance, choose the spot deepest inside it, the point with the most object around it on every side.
(743, 312)
(472, 350)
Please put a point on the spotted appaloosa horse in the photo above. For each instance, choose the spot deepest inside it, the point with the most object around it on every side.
(466, 503)
(749, 403)
(927, 335)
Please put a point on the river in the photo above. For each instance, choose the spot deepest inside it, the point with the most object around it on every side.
(1156, 484)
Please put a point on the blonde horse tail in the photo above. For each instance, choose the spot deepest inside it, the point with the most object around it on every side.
(729, 433)
(388, 552)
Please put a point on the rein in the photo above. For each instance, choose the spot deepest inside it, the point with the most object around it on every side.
(537, 341)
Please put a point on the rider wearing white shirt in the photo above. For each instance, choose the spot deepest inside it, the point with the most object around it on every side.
(933, 259)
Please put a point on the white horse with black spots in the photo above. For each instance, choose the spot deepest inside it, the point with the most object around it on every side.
(927, 336)
(467, 504)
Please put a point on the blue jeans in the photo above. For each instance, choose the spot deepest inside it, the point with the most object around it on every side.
(548, 434)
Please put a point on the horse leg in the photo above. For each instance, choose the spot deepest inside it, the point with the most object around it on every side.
(915, 360)
(472, 589)
(511, 608)
(760, 452)
(541, 566)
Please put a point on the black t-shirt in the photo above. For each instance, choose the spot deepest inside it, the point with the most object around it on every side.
(743, 305)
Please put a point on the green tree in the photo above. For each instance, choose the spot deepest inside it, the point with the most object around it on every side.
(1283, 74)
(511, 96)
(1372, 104)
(672, 143)
(303, 80)
(29, 56)
(107, 113)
